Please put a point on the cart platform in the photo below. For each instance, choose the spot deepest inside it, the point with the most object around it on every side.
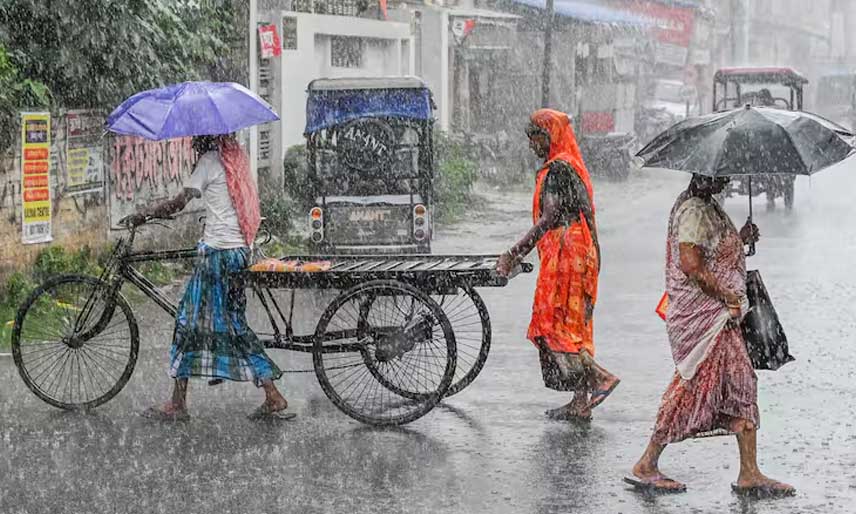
(435, 273)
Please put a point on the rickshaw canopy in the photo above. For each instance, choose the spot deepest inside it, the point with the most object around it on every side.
(336, 101)
(760, 75)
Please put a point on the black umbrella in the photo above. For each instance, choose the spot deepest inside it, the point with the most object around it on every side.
(750, 141)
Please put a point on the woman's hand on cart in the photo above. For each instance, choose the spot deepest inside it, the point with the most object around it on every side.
(507, 264)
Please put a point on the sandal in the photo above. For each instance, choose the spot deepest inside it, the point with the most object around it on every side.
(160, 415)
(598, 396)
(563, 414)
(655, 485)
(264, 412)
(764, 491)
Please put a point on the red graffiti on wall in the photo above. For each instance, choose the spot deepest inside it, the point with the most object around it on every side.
(140, 164)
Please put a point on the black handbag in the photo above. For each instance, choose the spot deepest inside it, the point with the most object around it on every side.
(765, 338)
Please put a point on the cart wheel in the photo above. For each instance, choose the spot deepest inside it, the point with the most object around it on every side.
(384, 353)
(789, 193)
(75, 347)
(471, 323)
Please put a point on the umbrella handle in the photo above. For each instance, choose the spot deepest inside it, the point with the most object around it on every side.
(751, 251)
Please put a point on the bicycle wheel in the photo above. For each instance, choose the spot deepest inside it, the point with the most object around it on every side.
(75, 347)
(471, 323)
(364, 357)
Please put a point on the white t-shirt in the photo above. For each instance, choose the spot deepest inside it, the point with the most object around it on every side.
(222, 230)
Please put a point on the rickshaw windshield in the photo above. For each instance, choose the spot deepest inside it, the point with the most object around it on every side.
(371, 156)
(370, 142)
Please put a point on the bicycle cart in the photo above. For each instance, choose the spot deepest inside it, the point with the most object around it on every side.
(384, 350)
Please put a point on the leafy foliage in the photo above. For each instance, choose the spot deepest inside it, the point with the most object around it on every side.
(16, 93)
(56, 260)
(95, 53)
(297, 185)
(457, 172)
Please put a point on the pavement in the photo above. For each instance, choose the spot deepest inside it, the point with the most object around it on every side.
(489, 449)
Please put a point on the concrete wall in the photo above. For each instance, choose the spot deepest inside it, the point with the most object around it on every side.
(134, 173)
(432, 31)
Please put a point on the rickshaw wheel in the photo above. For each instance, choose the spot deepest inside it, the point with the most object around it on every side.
(384, 353)
(471, 322)
(58, 366)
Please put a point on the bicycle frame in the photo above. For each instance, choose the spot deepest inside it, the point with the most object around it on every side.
(123, 260)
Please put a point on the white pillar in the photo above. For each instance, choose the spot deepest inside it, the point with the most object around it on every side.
(254, 86)
(444, 71)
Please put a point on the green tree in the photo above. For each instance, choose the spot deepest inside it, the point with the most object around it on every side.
(96, 53)
(16, 93)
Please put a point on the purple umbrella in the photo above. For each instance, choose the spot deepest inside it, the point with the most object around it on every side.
(190, 109)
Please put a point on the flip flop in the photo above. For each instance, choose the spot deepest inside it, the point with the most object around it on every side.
(159, 415)
(597, 397)
(650, 485)
(567, 415)
(763, 491)
(263, 412)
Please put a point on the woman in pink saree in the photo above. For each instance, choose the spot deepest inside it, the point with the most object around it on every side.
(714, 389)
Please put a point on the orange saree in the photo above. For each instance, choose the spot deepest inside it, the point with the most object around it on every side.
(568, 255)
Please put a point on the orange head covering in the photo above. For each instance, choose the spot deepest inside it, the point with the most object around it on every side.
(563, 143)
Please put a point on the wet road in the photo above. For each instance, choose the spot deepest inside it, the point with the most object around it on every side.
(489, 449)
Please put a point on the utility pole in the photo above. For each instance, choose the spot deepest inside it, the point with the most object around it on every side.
(254, 86)
(733, 31)
(548, 51)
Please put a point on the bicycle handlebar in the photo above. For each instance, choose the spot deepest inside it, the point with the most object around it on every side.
(126, 221)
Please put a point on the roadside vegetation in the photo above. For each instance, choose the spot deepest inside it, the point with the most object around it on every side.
(56, 260)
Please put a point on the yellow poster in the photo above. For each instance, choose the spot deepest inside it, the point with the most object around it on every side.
(84, 163)
(35, 177)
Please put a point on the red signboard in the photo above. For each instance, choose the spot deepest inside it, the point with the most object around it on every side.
(35, 167)
(598, 122)
(269, 42)
(37, 181)
(675, 25)
(36, 195)
(36, 154)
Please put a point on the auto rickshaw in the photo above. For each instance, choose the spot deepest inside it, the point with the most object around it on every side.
(780, 88)
(371, 165)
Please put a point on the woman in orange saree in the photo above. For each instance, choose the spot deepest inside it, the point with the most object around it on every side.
(565, 234)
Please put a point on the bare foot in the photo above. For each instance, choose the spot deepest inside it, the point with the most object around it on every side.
(275, 404)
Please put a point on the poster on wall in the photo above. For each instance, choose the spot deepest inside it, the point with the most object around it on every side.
(35, 177)
(269, 42)
(141, 172)
(84, 153)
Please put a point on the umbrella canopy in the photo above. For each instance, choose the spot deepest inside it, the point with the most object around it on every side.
(749, 141)
(190, 109)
